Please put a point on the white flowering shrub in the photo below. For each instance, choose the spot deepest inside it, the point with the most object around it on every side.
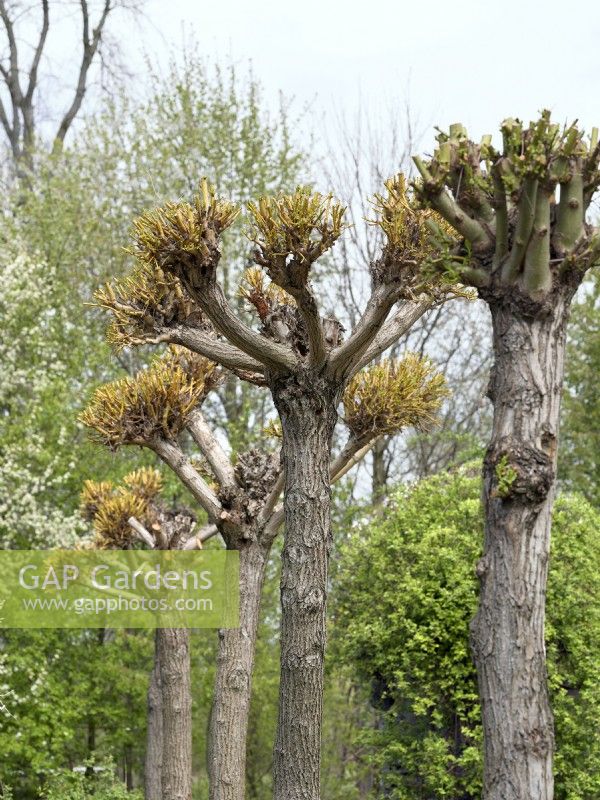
(35, 383)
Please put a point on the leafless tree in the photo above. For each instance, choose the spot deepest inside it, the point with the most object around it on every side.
(20, 71)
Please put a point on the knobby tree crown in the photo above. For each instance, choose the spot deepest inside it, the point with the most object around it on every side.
(173, 294)
(133, 512)
(520, 211)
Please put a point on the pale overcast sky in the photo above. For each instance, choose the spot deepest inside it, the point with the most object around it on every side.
(468, 60)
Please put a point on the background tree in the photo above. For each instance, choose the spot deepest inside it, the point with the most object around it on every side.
(526, 247)
(55, 684)
(73, 222)
(361, 152)
(21, 76)
(39, 353)
(406, 592)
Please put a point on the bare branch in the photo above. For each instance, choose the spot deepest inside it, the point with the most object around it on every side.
(353, 452)
(176, 459)
(12, 76)
(272, 527)
(211, 449)
(33, 70)
(314, 327)
(141, 532)
(223, 353)
(196, 541)
(272, 354)
(394, 329)
(379, 306)
(90, 46)
(273, 498)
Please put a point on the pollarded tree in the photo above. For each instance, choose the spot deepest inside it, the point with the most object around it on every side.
(241, 496)
(122, 515)
(526, 246)
(305, 362)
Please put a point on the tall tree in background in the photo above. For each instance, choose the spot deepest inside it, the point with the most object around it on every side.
(526, 247)
(241, 497)
(21, 76)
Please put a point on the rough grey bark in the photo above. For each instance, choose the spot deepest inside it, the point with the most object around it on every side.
(174, 660)
(508, 631)
(153, 762)
(307, 408)
(231, 700)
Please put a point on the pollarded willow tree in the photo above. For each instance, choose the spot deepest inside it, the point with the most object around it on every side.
(122, 515)
(526, 246)
(173, 296)
(240, 496)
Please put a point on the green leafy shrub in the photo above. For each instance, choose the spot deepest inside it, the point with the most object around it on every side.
(102, 785)
(406, 594)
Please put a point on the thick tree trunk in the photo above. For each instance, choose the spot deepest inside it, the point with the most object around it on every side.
(508, 630)
(307, 407)
(153, 762)
(174, 659)
(231, 702)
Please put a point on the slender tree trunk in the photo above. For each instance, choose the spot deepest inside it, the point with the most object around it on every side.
(508, 630)
(379, 476)
(174, 659)
(231, 702)
(129, 768)
(153, 763)
(307, 407)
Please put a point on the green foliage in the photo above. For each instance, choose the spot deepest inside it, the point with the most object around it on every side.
(72, 224)
(60, 685)
(579, 464)
(407, 591)
(292, 231)
(393, 395)
(155, 403)
(103, 785)
(39, 357)
(506, 475)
